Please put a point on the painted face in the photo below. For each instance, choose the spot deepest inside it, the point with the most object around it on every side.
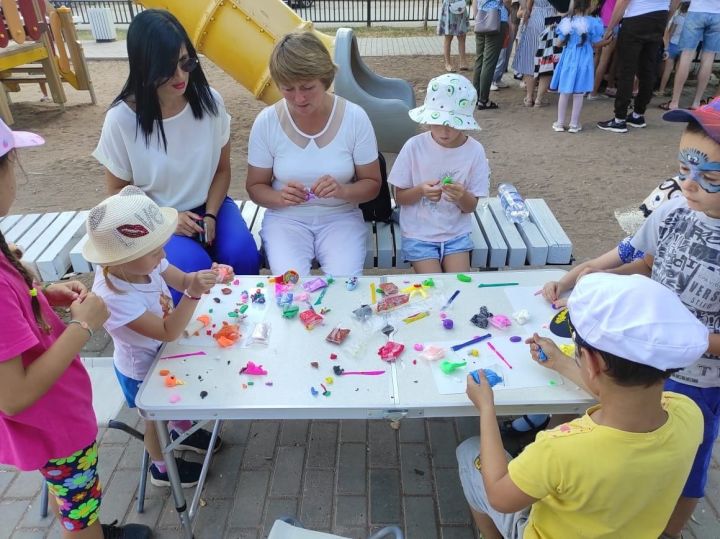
(304, 97)
(176, 85)
(699, 159)
(447, 136)
(8, 186)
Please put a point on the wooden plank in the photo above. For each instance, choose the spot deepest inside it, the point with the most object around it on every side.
(385, 245)
(479, 255)
(32, 254)
(55, 261)
(399, 258)
(249, 213)
(27, 239)
(9, 222)
(497, 255)
(370, 247)
(559, 245)
(537, 247)
(22, 226)
(517, 250)
(79, 264)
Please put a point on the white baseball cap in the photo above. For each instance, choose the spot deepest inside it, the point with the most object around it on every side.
(126, 226)
(10, 139)
(638, 319)
(450, 100)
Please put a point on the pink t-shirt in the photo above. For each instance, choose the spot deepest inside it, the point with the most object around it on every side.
(606, 11)
(422, 159)
(62, 421)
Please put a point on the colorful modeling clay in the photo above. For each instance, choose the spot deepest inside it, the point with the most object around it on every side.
(463, 278)
(252, 369)
(315, 364)
(418, 347)
(228, 335)
(428, 283)
(449, 367)
(448, 323)
(175, 398)
(172, 381)
(289, 277)
(314, 284)
(314, 392)
(542, 356)
(447, 180)
(500, 321)
(290, 311)
(392, 302)
(474, 352)
(433, 353)
(310, 319)
(333, 356)
(243, 308)
(388, 289)
(329, 380)
(390, 351)
(226, 291)
(521, 317)
(194, 327)
(481, 319)
(164, 372)
(351, 283)
(258, 297)
(337, 335)
(491, 376)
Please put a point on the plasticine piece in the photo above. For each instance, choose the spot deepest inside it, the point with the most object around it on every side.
(337, 335)
(463, 278)
(521, 317)
(428, 283)
(269, 384)
(196, 326)
(418, 347)
(313, 392)
(244, 296)
(258, 297)
(515, 338)
(174, 398)
(172, 381)
(389, 289)
(228, 335)
(338, 370)
(284, 299)
(474, 352)
(479, 321)
(236, 282)
(363, 312)
(449, 367)
(243, 308)
(491, 376)
(351, 283)
(217, 300)
(433, 353)
(324, 311)
(164, 372)
(253, 370)
(260, 285)
(447, 180)
(447, 323)
(222, 274)
(203, 394)
(302, 296)
(226, 291)
(500, 321)
(315, 364)
(290, 312)
(314, 284)
(390, 351)
(233, 314)
(392, 302)
(329, 380)
(326, 393)
(333, 356)
(310, 319)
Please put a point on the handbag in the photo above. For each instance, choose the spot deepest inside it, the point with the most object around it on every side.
(457, 7)
(487, 22)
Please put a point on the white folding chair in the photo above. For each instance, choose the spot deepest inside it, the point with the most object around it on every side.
(289, 528)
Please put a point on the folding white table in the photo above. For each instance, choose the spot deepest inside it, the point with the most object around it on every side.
(214, 389)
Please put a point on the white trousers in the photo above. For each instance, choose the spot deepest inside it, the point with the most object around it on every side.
(336, 241)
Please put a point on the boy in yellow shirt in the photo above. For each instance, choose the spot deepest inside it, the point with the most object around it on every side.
(618, 471)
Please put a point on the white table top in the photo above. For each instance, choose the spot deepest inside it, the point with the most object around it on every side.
(407, 388)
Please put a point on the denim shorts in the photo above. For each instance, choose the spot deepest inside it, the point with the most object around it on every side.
(708, 399)
(673, 51)
(129, 386)
(415, 250)
(699, 27)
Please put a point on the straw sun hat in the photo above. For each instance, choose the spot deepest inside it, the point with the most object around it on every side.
(126, 226)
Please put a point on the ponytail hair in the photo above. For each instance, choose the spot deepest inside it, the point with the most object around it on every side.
(14, 259)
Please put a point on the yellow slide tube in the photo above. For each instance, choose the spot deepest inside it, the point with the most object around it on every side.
(239, 36)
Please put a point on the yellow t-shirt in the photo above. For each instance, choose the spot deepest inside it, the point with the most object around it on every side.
(599, 482)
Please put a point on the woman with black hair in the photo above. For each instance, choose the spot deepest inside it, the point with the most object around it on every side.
(168, 133)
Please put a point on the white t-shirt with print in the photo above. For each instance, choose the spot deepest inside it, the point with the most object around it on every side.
(641, 7)
(179, 178)
(686, 246)
(134, 353)
(422, 159)
(305, 158)
(705, 6)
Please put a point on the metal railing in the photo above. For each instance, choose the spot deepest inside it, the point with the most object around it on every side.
(321, 11)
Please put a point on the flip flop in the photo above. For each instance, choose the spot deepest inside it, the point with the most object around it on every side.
(507, 429)
(665, 106)
(487, 105)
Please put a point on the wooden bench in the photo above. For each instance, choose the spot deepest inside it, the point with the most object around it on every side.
(52, 242)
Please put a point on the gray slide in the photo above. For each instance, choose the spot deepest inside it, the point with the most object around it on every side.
(386, 100)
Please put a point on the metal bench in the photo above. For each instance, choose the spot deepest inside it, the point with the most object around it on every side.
(52, 242)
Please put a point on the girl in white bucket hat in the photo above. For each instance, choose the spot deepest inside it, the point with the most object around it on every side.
(127, 233)
(438, 177)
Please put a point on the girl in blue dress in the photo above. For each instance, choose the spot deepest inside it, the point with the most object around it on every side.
(574, 74)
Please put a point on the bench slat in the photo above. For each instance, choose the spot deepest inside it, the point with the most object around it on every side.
(480, 250)
(517, 250)
(370, 247)
(29, 237)
(32, 254)
(9, 222)
(559, 245)
(497, 255)
(536, 245)
(79, 264)
(385, 245)
(21, 227)
(55, 261)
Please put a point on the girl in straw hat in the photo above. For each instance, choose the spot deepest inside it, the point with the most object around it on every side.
(127, 234)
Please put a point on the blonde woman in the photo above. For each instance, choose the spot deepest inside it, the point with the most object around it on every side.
(312, 158)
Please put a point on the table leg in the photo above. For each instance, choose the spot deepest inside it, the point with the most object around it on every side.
(174, 476)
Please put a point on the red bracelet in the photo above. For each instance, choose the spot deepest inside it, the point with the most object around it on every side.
(187, 294)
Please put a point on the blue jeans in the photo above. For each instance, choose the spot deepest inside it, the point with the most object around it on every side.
(699, 27)
(233, 245)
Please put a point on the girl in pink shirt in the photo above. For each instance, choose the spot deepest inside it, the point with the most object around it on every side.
(47, 421)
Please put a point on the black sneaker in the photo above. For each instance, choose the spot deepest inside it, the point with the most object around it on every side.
(613, 125)
(636, 122)
(198, 441)
(189, 474)
(128, 531)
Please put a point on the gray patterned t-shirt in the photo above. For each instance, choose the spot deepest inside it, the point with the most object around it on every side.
(686, 247)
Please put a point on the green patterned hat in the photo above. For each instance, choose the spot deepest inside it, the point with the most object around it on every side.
(450, 100)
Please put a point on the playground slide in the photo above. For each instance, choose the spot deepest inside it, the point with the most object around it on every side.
(239, 36)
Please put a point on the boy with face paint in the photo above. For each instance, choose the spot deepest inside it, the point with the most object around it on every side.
(681, 240)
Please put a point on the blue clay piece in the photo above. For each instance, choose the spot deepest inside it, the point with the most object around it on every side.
(515, 338)
(541, 355)
(447, 323)
(491, 376)
(314, 392)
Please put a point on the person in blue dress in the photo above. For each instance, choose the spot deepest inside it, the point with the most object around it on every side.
(574, 74)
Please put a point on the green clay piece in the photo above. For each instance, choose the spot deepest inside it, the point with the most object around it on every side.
(329, 280)
(552, 382)
(260, 285)
(210, 311)
(251, 383)
(448, 367)
(290, 312)
(428, 282)
(327, 394)
(379, 291)
(243, 308)
(233, 314)
(447, 180)
(463, 278)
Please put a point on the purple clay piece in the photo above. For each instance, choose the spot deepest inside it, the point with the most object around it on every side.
(447, 323)
(515, 338)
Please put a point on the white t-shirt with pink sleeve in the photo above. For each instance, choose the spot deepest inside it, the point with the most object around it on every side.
(422, 159)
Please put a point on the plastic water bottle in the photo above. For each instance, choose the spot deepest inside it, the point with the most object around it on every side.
(512, 203)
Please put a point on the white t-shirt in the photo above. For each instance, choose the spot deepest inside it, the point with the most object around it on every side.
(641, 7)
(347, 140)
(422, 159)
(134, 353)
(705, 6)
(179, 178)
(678, 19)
